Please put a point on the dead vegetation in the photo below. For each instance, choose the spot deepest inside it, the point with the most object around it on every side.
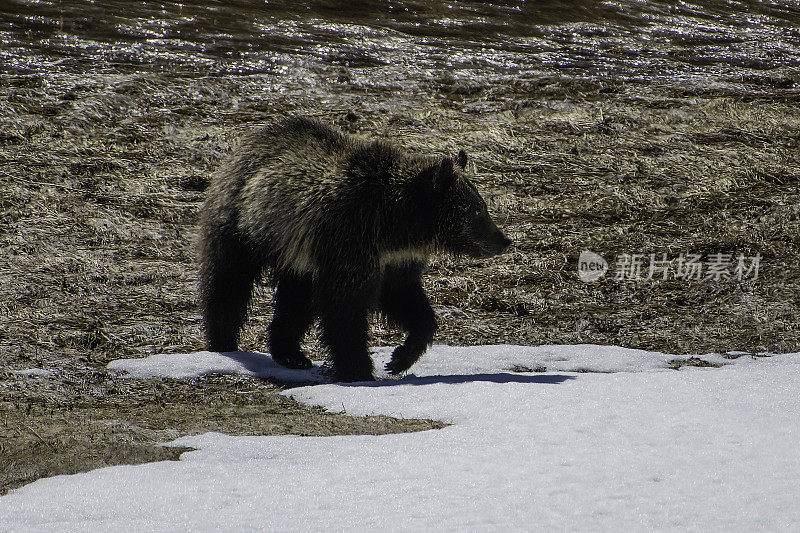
(101, 177)
(73, 427)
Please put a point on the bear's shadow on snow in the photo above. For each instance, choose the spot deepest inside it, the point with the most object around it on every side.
(264, 366)
(457, 379)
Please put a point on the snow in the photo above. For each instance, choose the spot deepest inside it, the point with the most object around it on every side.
(34, 372)
(181, 366)
(628, 445)
(447, 360)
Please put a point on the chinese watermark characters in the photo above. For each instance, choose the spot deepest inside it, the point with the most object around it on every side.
(685, 266)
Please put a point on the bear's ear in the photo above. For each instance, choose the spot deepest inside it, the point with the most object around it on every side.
(461, 159)
(438, 177)
(445, 175)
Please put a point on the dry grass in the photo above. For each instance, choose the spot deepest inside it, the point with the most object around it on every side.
(101, 179)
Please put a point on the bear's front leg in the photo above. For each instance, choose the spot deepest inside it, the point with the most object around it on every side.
(344, 308)
(404, 303)
(345, 333)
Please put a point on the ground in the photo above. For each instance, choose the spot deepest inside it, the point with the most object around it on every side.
(101, 178)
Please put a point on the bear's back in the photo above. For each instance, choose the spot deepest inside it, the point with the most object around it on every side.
(298, 178)
(293, 146)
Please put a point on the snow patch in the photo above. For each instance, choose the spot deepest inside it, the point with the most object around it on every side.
(193, 365)
(438, 360)
(39, 372)
(629, 445)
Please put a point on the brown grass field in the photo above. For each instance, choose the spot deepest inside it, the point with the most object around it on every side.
(101, 178)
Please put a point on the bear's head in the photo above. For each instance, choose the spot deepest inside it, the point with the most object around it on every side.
(463, 222)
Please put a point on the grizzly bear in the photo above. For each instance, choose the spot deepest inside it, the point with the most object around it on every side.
(345, 228)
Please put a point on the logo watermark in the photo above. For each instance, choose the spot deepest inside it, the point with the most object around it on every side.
(685, 266)
(591, 266)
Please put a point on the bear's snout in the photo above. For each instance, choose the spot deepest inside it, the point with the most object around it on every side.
(505, 242)
(489, 246)
(499, 243)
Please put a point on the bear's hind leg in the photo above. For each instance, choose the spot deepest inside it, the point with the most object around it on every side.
(404, 303)
(293, 315)
(226, 285)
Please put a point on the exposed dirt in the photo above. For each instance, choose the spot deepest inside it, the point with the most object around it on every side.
(75, 427)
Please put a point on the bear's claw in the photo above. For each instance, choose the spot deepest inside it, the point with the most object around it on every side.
(402, 359)
(299, 362)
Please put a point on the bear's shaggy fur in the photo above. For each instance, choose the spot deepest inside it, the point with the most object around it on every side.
(345, 228)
